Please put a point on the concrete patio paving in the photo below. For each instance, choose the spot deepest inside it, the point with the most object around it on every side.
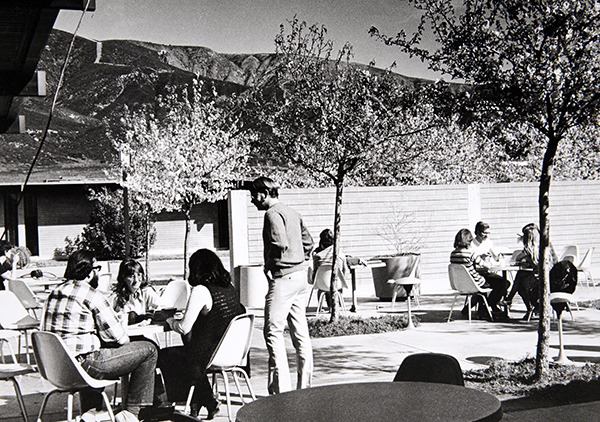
(376, 357)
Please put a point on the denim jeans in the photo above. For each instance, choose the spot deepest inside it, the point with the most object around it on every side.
(286, 301)
(138, 359)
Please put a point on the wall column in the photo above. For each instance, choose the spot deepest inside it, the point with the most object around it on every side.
(237, 203)
(474, 203)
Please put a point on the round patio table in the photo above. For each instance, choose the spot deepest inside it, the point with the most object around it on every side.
(376, 401)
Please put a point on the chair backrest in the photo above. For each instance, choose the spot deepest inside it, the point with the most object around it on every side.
(175, 295)
(461, 279)
(587, 260)
(57, 365)
(430, 367)
(571, 253)
(513, 258)
(323, 277)
(11, 309)
(235, 343)
(104, 277)
(23, 293)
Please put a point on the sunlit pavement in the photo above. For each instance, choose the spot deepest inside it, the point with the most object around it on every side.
(376, 357)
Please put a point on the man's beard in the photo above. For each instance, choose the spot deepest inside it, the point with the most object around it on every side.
(94, 281)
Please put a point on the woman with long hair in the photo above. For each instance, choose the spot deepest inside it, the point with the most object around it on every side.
(527, 280)
(463, 254)
(133, 295)
(213, 303)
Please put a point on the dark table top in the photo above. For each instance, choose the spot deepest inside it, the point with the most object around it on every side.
(378, 401)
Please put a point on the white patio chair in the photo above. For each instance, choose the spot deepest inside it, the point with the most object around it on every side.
(14, 316)
(229, 357)
(571, 253)
(9, 372)
(584, 267)
(25, 295)
(60, 368)
(462, 281)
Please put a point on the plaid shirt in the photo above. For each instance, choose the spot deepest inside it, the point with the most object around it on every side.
(82, 316)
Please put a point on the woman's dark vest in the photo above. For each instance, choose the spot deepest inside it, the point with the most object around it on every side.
(208, 329)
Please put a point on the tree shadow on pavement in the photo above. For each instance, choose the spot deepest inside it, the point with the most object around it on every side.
(556, 395)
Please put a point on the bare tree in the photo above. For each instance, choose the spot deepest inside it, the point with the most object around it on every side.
(534, 64)
(332, 121)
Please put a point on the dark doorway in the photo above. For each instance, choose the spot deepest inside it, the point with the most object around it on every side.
(11, 219)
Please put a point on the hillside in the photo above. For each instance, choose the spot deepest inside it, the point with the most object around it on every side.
(101, 78)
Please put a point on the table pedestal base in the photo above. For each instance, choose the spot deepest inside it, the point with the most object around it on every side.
(561, 358)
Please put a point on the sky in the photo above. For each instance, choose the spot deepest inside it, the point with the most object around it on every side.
(250, 26)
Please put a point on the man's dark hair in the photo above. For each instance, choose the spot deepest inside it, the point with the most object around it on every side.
(5, 246)
(480, 227)
(80, 265)
(265, 185)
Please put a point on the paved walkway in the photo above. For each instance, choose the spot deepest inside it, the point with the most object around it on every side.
(377, 357)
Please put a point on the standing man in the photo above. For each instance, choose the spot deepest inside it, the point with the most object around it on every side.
(82, 317)
(287, 247)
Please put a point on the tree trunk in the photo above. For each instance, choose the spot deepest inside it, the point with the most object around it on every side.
(185, 241)
(147, 222)
(335, 266)
(542, 363)
(126, 219)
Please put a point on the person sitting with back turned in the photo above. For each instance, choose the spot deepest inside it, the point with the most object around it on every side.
(463, 254)
(90, 328)
(213, 303)
(323, 254)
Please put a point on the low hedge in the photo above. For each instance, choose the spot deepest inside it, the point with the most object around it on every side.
(353, 325)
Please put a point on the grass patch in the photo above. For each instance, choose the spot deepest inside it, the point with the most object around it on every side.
(354, 325)
(564, 384)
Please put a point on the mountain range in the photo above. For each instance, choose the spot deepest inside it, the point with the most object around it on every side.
(102, 77)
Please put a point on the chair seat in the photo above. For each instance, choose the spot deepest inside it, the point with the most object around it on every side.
(8, 370)
(560, 297)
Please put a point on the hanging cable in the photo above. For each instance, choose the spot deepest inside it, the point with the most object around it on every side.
(54, 99)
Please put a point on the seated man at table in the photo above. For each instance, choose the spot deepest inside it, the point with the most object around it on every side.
(81, 315)
(483, 248)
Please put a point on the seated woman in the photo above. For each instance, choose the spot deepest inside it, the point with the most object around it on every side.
(213, 303)
(323, 254)
(462, 254)
(133, 295)
(526, 281)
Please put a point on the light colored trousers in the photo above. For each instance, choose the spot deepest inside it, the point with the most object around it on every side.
(286, 301)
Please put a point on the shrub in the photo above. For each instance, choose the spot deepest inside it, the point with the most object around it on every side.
(347, 326)
(105, 233)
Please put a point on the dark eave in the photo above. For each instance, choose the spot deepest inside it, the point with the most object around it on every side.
(24, 29)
